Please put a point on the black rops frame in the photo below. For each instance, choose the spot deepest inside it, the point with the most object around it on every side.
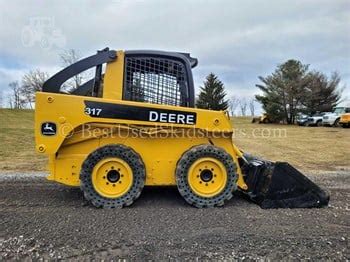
(53, 84)
(185, 58)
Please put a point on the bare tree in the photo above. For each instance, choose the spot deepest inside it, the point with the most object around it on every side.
(17, 101)
(31, 83)
(10, 102)
(69, 57)
(243, 106)
(233, 104)
(252, 106)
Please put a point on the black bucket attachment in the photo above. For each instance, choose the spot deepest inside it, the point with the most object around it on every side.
(279, 185)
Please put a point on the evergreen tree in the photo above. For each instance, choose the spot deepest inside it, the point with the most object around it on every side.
(322, 94)
(291, 89)
(212, 94)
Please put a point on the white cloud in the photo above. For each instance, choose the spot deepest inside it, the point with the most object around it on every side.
(237, 40)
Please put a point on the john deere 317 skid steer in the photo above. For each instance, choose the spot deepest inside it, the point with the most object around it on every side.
(134, 124)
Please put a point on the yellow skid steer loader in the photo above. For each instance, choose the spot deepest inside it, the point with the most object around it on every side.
(134, 124)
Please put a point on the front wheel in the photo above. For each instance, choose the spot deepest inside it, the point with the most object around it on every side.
(206, 176)
(112, 176)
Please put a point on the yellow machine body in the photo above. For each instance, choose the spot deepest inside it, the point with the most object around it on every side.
(135, 124)
(159, 144)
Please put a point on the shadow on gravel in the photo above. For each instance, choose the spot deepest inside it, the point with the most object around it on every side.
(150, 197)
(42, 193)
(162, 196)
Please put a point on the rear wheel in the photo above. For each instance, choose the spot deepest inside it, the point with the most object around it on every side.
(112, 176)
(336, 122)
(319, 123)
(206, 176)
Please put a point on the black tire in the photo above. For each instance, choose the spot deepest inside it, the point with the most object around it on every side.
(336, 122)
(128, 155)
(319, 123)
(182, 169)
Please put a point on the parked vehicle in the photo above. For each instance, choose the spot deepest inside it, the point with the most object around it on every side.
(302, 119)
(333, 118)
(263, 119)
(316, 119)
(345, 120)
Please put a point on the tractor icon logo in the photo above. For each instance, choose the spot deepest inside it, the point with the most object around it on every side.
(48, 129)
(42, 30)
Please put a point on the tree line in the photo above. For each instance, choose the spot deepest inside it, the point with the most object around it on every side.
(212, 96)
(22, 93)
(290, 90)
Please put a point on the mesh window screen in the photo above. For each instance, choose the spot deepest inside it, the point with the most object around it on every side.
(155, 80)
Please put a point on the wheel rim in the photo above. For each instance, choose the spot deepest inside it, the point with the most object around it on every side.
(112, 177)
(207, 177)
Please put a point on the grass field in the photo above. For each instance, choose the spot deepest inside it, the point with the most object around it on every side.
(310, 149)
(17, 150)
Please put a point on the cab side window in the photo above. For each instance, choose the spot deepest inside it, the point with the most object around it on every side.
(155, 80)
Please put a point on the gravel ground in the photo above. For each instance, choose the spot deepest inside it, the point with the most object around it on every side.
(40, 219)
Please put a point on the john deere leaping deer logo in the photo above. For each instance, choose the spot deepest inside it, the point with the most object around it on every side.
(48, 129)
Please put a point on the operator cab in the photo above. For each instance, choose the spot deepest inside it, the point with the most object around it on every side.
(155, 77)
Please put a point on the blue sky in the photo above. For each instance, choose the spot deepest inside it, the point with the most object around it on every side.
(237, 40)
